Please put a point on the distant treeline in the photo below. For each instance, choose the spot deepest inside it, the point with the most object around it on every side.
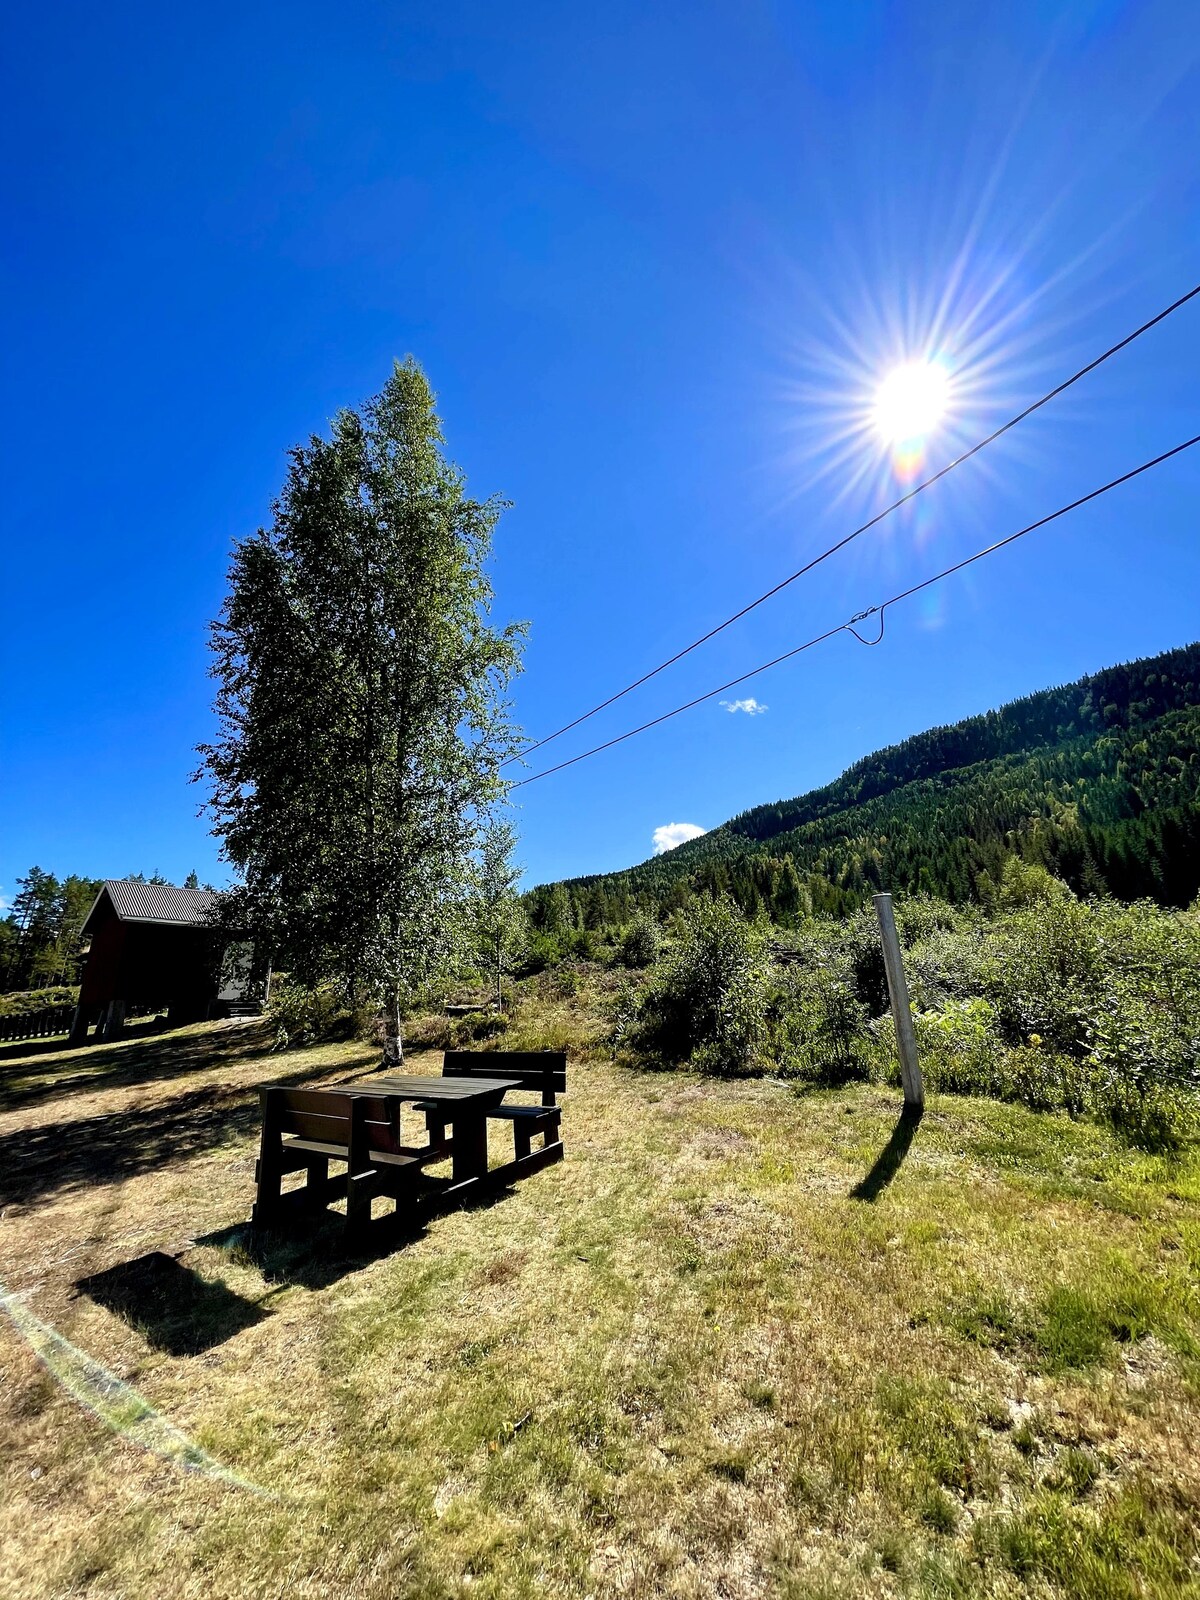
(1098, 781)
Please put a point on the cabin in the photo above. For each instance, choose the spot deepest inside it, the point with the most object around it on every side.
(154, 947)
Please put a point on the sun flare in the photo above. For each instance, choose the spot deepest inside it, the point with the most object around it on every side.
(910, 402)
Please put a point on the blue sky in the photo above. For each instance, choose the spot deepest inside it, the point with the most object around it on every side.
(654, 259)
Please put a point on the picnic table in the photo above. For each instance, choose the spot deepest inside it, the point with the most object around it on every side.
(360, 1126)
(462, 1102)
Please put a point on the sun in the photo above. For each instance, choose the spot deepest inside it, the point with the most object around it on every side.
(910, 402)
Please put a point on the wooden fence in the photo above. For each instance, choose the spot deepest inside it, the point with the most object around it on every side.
(37, 1024)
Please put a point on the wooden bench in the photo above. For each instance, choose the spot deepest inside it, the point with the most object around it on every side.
(306, 1129)
(542, 1071)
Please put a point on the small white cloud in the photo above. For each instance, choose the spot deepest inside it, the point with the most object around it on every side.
(673, 833)
(751, 707)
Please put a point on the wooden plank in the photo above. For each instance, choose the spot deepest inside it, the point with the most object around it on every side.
(305, 1125)
(305, 1149)
(500, 1177)
(537, 1066)
(325, 1102)
(469, 1153)
(442, 1090)
(544, 1071)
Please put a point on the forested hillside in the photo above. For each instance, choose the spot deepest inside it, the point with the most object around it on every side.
(1099, 781)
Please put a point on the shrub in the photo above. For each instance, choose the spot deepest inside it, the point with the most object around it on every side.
(1040, 970)
(544, 949)
(1024, 883)
(23, 1002)
(476, 1027)
(1143, 1025)
(864, 953)
(303, 1016)
(707, 1006)
(959, 1046)
(947, 964)
(1150, 1116)
(563, 982)
(818, 1026)
(641, 943)
(1049, 1000)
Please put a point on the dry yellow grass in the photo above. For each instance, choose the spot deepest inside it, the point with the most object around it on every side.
(700, 1357)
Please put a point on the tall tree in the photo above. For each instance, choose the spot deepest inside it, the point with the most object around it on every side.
(35, 916)
(500, 922)
(58, 960)
(361, 702)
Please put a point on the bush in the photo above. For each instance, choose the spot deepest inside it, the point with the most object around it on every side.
(962, 1053)
(1150, 1116)
(1040, 970)
(959, 1046)
(707, 1006)
(23, 1002)
(818, 1026)
(563, 982)
(864, 953)
(1143, 1024)
(547, 949)
(641, 943)
(1022, 883)
(303, 1016)
(475, 1028)
(1055, 1002)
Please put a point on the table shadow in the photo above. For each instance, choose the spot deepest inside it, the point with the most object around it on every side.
(172, 1307)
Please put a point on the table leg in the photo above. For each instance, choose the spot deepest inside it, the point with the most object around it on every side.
(470, 1145)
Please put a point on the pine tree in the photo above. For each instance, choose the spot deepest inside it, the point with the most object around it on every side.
(499, 917)
(35, 917)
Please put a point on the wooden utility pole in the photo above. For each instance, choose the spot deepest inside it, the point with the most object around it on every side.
(906, 1039)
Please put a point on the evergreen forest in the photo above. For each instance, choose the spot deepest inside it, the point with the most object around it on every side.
(1098, 782)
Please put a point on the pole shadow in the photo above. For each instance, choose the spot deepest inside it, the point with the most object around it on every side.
(891, 1158)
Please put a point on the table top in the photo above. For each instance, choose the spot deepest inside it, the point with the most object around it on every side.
(409, 1086)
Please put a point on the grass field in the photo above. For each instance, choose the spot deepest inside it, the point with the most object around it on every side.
(739, 1343)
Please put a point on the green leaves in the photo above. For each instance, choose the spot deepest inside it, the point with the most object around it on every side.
(708, 1003)
(361, 704)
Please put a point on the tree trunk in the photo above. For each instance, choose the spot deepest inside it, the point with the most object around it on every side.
(393, 1041)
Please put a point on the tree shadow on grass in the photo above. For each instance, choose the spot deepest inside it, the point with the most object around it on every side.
(132, 1033)
(172, 1307)
(891, 1158)
(109, 1147)
(50, 1071)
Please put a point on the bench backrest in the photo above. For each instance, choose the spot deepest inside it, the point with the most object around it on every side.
(333, 1117)
(544, 1071)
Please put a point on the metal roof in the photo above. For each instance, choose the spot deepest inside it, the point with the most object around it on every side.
(166, 903)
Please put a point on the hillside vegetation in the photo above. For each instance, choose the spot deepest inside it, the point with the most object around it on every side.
(1098, 781)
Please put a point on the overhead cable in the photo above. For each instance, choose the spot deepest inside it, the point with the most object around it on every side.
(871, 611)
(864, 527)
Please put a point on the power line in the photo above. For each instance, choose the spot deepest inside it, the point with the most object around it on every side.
(871, 611)
(864, 528)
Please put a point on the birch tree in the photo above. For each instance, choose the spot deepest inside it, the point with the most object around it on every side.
(361, 703)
